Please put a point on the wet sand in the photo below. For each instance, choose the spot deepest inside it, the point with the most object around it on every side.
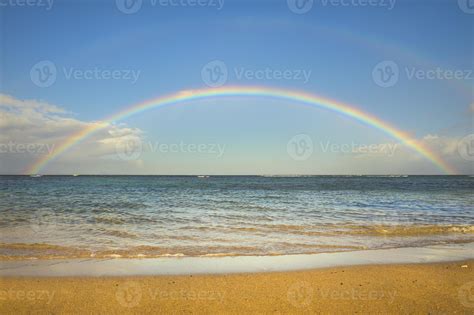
(398, 289)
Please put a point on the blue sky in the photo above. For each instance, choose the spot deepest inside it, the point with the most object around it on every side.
(168, 46)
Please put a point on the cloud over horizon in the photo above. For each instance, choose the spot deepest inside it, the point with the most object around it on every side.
(31, 129)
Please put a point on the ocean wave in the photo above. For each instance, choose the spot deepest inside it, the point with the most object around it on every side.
(276, 239)
(35, 251)
(338, 229)
(110, 220)
(406, 230)
(351, 229)
(38, 246)
(118, 233)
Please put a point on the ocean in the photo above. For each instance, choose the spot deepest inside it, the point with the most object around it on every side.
(57, 217)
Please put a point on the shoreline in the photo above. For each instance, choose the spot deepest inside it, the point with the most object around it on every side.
(405, 288)
(233, 264)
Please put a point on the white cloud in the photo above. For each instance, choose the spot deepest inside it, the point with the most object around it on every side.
(31, 105)
(35, 124)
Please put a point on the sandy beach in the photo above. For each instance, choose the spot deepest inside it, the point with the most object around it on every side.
(408, 288)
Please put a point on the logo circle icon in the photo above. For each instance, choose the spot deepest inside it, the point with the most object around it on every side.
(300, 147)
(466, 147)
(467, 6)
(129, 6)
(466, 294)
(300, 6)
(129, 294)
(129, 150)
(300, 294)
(214, 73)
(42, 219)
(386, 73)
(43, 73)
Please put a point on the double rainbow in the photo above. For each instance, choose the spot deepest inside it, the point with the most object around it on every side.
(295, 96)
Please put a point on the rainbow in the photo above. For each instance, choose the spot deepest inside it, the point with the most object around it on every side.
(295, 96)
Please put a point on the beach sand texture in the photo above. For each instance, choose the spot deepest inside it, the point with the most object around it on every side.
(394, 289)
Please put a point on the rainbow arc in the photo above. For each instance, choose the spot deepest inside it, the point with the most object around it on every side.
(228, 91)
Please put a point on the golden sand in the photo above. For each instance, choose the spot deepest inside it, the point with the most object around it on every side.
(396, 289)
